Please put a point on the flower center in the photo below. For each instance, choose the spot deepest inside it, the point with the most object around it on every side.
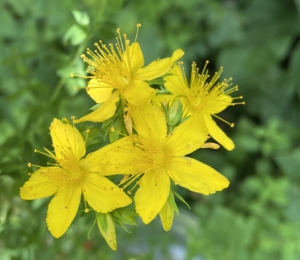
(152, 156)
(112, 65)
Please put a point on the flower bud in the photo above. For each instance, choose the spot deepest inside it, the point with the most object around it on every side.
(174, 113)
(106, 226)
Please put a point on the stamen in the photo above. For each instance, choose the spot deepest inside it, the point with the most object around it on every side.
(231, 90)
(119, 40)
(240, 97)
(238, 103)
(80, 76)
(30, 165)
(231, 124)
(129, 192)
(204, 68)
(53, 164)
(49, 154)
(87, 134)
(137, 31)
(86, 210)
(125, 178)
(130, 180)
(112, 129)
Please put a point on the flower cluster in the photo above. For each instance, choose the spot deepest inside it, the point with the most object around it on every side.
(154, 118)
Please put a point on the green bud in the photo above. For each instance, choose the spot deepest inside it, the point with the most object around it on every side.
(174, 113)
(106, 226)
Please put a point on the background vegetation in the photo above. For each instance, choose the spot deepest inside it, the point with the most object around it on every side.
(257, 42)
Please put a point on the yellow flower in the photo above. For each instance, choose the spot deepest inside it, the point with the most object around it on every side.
(70, 177)
(162, 158)
(119, 72)
(209, 97)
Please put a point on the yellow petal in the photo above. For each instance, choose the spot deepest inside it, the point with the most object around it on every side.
(220, 103)
(158, 68)
(217, 133)
(196, 176)
(133, 58)
(177, 83)
(138, 93)
(152, 194)
(105, 111)
(166, 215)
(150, 123)
(99, 91)
(121, 157)
(94, 161)
(42, 183)
(187, 137)
(103, 195)
(63, 208)
(67, 141)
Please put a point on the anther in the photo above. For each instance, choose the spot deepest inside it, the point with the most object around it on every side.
(29, 164)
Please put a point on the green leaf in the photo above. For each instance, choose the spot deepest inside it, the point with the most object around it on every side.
(91, 134)
(290, 163)
(74, 35)
(81, 18)
(124, 216)
(181, 199)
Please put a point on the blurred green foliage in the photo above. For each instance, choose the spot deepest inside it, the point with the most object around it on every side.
(257, 43)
